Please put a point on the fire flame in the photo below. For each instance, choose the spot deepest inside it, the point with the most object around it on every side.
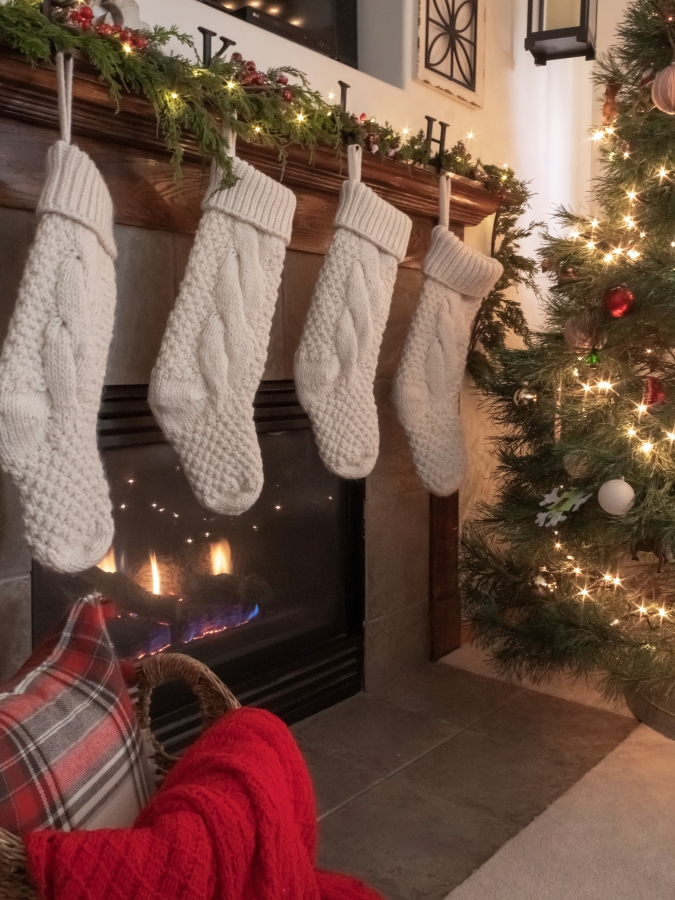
(221, 558)
(154, 568)
(107, 564)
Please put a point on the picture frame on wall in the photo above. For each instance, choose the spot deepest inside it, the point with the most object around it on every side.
(451, 48)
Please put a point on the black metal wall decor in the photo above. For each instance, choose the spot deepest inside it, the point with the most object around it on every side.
(561, 29)
(327, 26)
(452, 40)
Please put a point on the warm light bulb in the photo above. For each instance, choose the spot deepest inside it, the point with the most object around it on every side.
(584, 593)
(406, 131)
(331, 96)
(629, 222)
(609, 578)
(609, 258)
(643, 234)
(633, 254)
(604, 385)
(631, 432)
(642, 609)
(577, 571)
(617, 581)
(301, 117)
(558, 546)
(574, 234)
(642, 408)
(631, 195)
(662, 172)
(591, 245)
(174, 95)
(470, 135)
(663, 613)
(671, 435)
(647, 448)
(257, 129)
(230, 85)
(587, 387)
(594, 223)
(598, 136)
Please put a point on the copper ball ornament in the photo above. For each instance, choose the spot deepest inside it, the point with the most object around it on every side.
(663, 90)
(618, 301)
(577, 464)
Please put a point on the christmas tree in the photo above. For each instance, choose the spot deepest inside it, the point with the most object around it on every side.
(571, 568)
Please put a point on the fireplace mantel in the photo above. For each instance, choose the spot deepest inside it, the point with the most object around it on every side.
(132, 157)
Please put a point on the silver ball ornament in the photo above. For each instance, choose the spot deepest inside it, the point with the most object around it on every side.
(616, 497)
(582, 333)
(524, 397)
(543, 584)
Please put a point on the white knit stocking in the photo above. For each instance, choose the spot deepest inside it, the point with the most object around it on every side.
(431, 371)
(336, 361)
(53, 361)
(215, 346)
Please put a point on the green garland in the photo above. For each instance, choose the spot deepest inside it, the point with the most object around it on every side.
(196, 101)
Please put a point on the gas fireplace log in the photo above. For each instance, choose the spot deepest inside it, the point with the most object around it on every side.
(131, 597)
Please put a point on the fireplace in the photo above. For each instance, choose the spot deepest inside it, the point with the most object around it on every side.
(272, 600)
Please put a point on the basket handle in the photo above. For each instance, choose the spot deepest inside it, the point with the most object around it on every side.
(214, 698)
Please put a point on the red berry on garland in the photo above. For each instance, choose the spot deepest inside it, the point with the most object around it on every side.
(250, 65)
(655, 391)
(74, 17)
(282, 79)
(126, 35)
(236, 57)
(104, 29)
(116, 29)
(287, 96)
(363, 117)
(86, 25)
(86, 12)
(140, 42)
(259, 80)
(619, 301)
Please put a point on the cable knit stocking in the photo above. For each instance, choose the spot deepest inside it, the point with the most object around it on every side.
(53, 361)
(215, 346)
(430, 375)
(336, 361)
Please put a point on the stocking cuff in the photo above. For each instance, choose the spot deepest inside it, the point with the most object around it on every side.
(255, 198)
(459, 267)
(75, 189)
(372, 218)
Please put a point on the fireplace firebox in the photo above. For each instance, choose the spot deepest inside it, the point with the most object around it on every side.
(272, 600)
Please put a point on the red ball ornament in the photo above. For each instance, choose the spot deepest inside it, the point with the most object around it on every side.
(287, 96)
(655, 391)
(126, 35)
(282, 79)
(104, 29)
(236, 57)
(86, 12)
(619, 301)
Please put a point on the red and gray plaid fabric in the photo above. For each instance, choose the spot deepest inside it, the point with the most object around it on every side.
(71, 752)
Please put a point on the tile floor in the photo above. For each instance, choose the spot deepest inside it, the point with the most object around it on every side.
(421, 781)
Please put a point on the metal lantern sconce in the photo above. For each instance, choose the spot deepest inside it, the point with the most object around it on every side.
(560, 29)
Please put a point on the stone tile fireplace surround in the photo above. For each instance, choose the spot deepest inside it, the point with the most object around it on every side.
(404, 593)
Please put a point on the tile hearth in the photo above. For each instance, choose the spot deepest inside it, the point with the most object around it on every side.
(422, 780)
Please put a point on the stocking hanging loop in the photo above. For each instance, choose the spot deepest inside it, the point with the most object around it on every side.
(444, 192)
(64, 82)
(354, 160)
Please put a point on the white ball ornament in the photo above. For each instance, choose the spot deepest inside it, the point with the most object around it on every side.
(616, 497)
(663, 90)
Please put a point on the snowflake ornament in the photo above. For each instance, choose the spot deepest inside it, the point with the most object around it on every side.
(559, 504)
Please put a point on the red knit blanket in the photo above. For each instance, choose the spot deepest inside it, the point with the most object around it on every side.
(235, 820)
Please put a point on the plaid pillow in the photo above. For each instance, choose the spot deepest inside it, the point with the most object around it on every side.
(71, 753)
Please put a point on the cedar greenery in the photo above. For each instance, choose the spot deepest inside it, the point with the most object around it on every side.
(605, 601)
(196, 101)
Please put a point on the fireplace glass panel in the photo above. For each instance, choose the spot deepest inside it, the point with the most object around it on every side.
(241, 593)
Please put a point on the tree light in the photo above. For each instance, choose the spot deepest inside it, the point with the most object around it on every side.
(671, 435)
(647, 448)
(633, 254)
(609, 578)
(577, 571)
(591, 245)
(662, 173)
(594, 223)
(631, 195)
(617, 581)
(604, 385)
(631, 432)
(301, 117)
(663, 613)
(230, 85)
(584, 593)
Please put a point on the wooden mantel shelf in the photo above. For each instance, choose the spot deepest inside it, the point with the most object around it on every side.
(134, 161)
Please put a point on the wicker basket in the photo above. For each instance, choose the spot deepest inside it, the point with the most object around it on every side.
(214, 701)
